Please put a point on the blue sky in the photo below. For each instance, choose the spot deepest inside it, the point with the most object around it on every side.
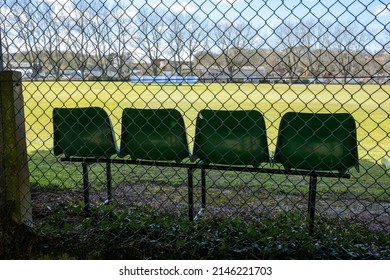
(274, 11)
(371, 15)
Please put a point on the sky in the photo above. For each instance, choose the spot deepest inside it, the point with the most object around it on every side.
(372, 15)
(271, 12)
(275, 11)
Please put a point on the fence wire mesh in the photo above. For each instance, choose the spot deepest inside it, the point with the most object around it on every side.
(271, 57)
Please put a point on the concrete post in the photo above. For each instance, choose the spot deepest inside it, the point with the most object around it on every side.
(15, 196)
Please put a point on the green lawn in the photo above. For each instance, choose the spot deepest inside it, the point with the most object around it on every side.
(369, 104)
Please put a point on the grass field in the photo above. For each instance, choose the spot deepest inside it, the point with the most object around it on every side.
(369, 104)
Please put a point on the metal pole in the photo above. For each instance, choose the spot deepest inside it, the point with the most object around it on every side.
(109, 182)
(190, 194)
(312, 203)
(203, 177)
(86, 189)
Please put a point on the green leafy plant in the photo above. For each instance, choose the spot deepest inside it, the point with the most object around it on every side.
(145, 233)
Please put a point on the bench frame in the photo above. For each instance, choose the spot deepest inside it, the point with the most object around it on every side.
(203, 167)
(89, 143)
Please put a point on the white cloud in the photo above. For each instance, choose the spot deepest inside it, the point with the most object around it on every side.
(60, 7)
(157, 5)
(228, 1)
(60, 2)
(182, 7)
(5, 11)
(383, 10)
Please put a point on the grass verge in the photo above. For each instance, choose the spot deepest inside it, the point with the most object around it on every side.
(150, 234)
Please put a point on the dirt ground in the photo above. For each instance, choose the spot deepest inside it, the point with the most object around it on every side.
(244, 203)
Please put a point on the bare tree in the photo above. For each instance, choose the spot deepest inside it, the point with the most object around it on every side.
(314, 39)
(51, 24)
(386, 66)
(89, 35)
(6, 35)
(122, 32)
(197, 30)
(349, 43)
(289, 42)
(205, 58)
(386, 42)
(230, 40)
(148, 40)
(26, 20)
(76, 37)
(185, 35)
(176, 37)
(99, 33)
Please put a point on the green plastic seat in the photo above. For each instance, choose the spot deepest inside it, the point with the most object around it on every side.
(315, 141)
(83, 132)
(231, 138)
(153, 134)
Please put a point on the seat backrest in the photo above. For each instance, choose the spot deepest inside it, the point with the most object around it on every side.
(315, 141)
(83, 132)
(153, 134)
(231, 137)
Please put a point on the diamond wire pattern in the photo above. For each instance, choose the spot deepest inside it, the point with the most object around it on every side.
(271, 56)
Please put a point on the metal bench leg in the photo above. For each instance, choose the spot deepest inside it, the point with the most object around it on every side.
(190, 194)
(203, 177)
(203, 182)
(109, 183)
(86, 189)
(312, 203)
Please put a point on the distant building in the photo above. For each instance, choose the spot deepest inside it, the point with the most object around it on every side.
(97, 71)
(250, 74)
(24, 68)
(211, 74)
(166, 64)
(71, 74)
(26, 72)
(381, 79)
(244, 74)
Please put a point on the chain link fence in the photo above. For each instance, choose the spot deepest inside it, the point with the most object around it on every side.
(271, 57)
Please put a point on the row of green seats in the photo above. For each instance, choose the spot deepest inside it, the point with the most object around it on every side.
(309, 141)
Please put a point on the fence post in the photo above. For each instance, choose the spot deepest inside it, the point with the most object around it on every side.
(15, 196)
(1, 54)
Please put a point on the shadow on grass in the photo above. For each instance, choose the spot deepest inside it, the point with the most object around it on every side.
(363, 199)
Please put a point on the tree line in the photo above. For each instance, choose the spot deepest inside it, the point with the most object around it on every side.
(85, 34)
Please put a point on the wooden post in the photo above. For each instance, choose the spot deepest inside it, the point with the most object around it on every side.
(1, 55)
(15, 196)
